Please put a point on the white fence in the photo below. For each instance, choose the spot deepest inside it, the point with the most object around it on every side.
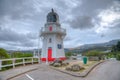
(18, 61)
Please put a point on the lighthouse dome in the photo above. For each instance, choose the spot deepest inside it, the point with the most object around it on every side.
(52, 17)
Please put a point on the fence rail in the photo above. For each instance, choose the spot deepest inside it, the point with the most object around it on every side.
(18, 61)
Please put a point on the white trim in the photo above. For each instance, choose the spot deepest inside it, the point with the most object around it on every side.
(14, 63)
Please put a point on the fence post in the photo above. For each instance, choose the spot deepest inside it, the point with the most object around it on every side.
(0, 65)
(38, 60)
(13, 62)
(32, 60)
(23, 62)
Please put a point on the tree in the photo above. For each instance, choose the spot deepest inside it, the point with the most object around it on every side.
(19, 54)
(68, 54)
(16, 54)
(3, 54)
(93, 53)
(116, 50)
(118, 56)
(116, 47)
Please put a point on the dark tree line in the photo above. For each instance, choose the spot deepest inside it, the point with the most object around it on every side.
(116, 50)
(3, 54)
(16, 54)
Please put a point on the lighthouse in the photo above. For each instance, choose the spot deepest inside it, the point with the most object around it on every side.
(52, 36)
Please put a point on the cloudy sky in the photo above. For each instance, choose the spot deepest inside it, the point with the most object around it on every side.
(86, 21)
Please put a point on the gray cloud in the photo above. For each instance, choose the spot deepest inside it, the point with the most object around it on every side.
(22, 44)
(109, 19)
(82, 22)
(0, 28)
(114, 31)
(15, 9)
(22, 20)
(88, 11)
(14, 38)
(67, 38)
(9, 35)
(91, 7)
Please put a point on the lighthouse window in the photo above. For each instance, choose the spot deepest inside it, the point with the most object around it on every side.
(59, 46)
(50, 40)
(54, 18)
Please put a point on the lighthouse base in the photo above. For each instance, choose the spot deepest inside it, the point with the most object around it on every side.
(53, 59)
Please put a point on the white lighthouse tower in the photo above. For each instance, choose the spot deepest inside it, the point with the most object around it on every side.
(52, 36)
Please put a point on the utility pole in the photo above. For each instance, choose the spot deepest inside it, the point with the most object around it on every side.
(38, 46)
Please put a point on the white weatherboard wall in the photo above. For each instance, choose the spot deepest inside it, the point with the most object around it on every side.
(52, 37)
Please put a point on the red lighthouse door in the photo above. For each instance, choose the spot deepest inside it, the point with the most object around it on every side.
(49, 54)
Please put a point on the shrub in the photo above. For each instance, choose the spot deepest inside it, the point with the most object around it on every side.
(94, 53)
(3, 54)
(20, 55)
(68, 54)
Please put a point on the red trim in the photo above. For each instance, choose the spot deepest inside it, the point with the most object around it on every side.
(63, 58)
(52, 59)
(50, 53)
(50, 28)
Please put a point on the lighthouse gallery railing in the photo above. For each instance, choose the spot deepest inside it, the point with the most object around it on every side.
(54, 30)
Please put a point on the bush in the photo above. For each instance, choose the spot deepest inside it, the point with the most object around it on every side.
(110, 55)
(118, 56)
(3, 54)
(20, 55)
(93, 53)
(68, 54)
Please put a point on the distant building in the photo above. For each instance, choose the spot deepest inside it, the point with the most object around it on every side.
(52, 36)
(107, 51)
(35, 55)
(76, 57)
